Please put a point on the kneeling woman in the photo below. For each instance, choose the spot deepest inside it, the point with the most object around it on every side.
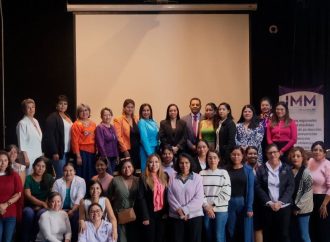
(54, 224)
(186, 197)
(97, 229)
(152, 199)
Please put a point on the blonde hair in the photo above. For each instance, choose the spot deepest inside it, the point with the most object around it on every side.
(25, 102)
(147, 177)
(81, 107)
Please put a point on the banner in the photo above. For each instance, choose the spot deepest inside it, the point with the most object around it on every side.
(306, 107)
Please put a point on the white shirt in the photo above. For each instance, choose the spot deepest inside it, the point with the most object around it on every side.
(67, 135)
(77, 192)
(102, 234)
(53, 225)
(29, 138)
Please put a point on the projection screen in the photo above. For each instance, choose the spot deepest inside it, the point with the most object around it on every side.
(162, 59)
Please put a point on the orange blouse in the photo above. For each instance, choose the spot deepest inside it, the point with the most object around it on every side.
(83, 137)
(123, 130)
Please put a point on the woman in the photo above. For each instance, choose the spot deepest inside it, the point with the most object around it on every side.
(95, 195)
(97, 229)
(217, 191)
(29, 134)
(152, 200)
(240, 210)
(282, 130)
(252, 158)
(106, 140)
(274, 188)
(149, 134)
(102, 175)
(72, 189)
(83, 142)
(128, 133)
(36, 190)
(122, 193)
(54, 224)
(173, 130)
(168, 160)
(225, 132)
(265, 115)
(249, 131)
(13, 152)
(302, 196)
(207, 126)
(185, 198)
(319, 167)
(57, 136)
(10, 193)
(251, 154)
(201, 160)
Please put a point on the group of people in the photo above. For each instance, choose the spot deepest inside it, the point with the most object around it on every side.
(203, 177)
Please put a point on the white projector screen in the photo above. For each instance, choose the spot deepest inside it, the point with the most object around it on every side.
(162, 59)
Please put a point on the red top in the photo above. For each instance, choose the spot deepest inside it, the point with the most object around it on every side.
(10, 185)
(281, 132)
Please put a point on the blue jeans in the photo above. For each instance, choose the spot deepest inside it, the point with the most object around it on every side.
(30, 225)
(215, 229)
(7, 228)
(87, 169)
(235, 222)
(59, 164)
(300, 229)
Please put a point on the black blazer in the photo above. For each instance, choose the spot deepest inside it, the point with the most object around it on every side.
(145, 201)
(53, 136)
(227, 139)
(286, 184)
(173, 137)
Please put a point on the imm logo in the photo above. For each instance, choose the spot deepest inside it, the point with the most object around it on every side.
(301, 100)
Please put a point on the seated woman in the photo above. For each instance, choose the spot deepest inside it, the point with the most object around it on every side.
(36, 190)
(54, 224)
(95, 195)
(72, 189)
(97, 229)
(102, 176)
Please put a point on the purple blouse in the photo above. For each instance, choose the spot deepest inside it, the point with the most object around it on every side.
(106, 141)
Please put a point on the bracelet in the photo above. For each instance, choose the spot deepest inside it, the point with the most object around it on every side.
(9, 203)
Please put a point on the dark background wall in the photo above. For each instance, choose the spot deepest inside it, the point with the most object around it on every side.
(39, 53)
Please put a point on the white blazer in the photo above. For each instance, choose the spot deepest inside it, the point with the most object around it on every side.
(29, 136)
(77, 192)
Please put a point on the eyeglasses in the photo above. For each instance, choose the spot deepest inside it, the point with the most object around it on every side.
(272, 152)
(95, 211)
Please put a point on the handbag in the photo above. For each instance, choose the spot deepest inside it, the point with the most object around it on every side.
(126, 215)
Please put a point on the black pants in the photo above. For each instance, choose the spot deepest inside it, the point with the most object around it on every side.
(155, 231)
(187, 231)
(319, 228)
(276, 225)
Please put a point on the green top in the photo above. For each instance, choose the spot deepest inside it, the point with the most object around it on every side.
(120, 196)
(39, 190)
(207, 131)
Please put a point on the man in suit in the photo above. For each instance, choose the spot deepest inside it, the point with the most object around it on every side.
(192, 119)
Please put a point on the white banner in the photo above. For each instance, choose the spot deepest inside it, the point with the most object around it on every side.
(306, 107)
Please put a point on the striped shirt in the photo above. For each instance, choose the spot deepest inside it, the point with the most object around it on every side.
(217, 189)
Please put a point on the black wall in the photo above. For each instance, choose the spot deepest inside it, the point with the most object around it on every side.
(39, 53)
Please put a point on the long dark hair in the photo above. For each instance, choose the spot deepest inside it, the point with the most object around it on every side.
(275, 120)
(90, 184)
(141, 110)
(44, 185)
(254, 121)
(168, 109)
(9, 169)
